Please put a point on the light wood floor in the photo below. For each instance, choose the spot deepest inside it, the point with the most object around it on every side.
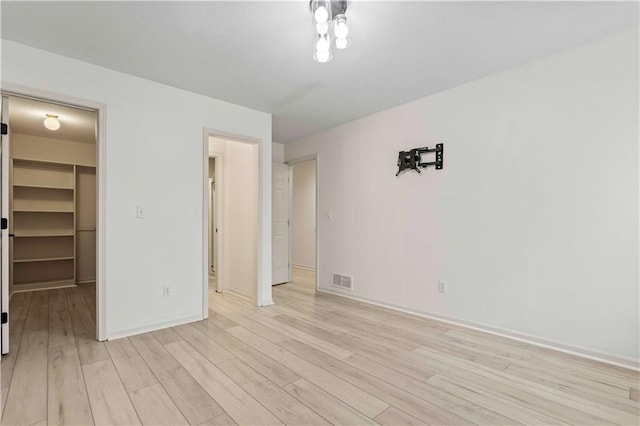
(311, 359)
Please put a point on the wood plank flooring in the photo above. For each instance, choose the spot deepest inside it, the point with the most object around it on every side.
(310, 359)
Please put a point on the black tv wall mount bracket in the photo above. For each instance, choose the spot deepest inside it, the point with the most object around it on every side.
(412, 159)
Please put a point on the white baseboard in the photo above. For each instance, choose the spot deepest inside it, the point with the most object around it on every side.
(305, 267)
(152, 327)
(607, 358)
(52, 287)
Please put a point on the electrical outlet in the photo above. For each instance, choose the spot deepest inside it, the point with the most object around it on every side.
(442, 286)
(166, 291)
(139, 212)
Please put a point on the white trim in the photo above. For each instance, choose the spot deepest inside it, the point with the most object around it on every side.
(604, 357)
(205, 225)
(220, 202)
(153, 327)
(101, 160)
(289, 222)
(211, 266)
(317, 158)
(5, 259)
(303, 159)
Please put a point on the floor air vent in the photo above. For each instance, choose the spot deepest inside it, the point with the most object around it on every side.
(343, 281)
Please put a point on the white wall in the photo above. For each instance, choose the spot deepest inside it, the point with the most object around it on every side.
(278, 152)
(154, 159)
(303, 215)
(50, 149)
(534, 220)
(240, 214)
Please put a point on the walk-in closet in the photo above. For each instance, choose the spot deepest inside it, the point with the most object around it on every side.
(52, 195)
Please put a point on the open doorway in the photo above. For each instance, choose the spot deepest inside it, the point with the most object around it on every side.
(232, 178)
(50, 245)
(303, 223)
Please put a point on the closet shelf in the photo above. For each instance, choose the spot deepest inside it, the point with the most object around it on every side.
(49, 259)
(63, 188)
(52, 196)
(49, 234)
(41, 211)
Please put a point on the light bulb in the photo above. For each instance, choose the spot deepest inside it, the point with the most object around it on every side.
(322, 29)
(51, 122)
(340, 28)
(342, 43)
(323, 44)
(321, 15)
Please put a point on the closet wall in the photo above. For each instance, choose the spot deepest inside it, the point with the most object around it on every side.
(53, 215)
(85, 224)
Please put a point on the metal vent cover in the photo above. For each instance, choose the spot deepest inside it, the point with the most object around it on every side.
(342, 281)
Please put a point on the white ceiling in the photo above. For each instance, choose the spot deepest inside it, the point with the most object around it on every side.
(258, 54)
(26, 116)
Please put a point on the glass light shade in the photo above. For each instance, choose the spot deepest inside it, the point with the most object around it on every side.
(342, 43)
(322, 28)
(340, 27)
(321, 14)
(51, 122)
(323, 44)
(322, 56)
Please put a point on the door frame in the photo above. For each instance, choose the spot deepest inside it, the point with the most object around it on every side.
(262, 293)
(219, 206)
(292, 163)
(290, 213)
(10, 89)
(6, 240)
(213, 222)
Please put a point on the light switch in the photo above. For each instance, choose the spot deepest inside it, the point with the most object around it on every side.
(139, 212)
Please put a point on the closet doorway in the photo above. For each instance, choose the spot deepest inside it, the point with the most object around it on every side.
(51, 186)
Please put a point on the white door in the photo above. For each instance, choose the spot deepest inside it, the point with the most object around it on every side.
(4, 240)
(280, 240)
(213, 230)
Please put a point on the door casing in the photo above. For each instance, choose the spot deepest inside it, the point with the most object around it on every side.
(4, 253)
(10, 89)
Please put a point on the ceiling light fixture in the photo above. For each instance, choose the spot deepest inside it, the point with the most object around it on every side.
(52, 122)
(329, 15)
